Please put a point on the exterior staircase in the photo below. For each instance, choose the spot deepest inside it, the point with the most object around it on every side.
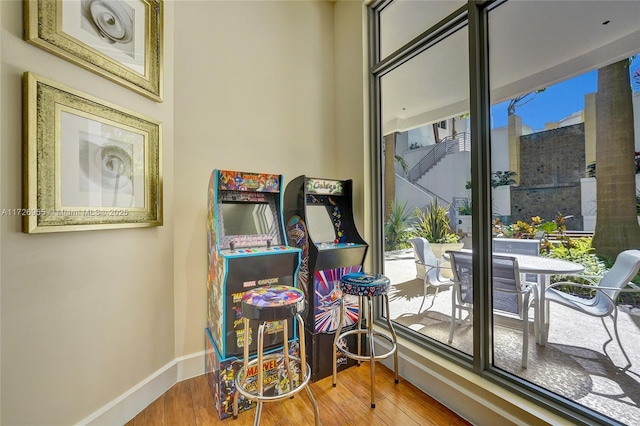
(449, 145)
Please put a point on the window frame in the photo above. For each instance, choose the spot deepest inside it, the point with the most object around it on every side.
(474, 15)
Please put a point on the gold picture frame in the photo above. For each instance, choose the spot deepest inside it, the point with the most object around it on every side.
(118, 39)
(88, 164)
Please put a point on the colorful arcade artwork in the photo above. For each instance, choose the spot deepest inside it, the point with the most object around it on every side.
(247, 250)
(253, 182)
(327, 299)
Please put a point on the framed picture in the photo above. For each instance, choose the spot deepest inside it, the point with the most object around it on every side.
(118, 39)
(88, 164)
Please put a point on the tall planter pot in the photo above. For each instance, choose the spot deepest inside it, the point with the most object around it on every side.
(464, 224)
(501, 198)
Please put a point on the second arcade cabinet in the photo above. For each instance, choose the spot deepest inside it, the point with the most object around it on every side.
(318, 216)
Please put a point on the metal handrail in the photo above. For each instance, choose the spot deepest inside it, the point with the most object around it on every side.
(449, 145)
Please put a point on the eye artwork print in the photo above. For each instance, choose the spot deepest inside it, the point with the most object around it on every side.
(112, 21)
(108, 164)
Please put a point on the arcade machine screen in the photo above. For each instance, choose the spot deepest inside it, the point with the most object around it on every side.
(319, 223)
(247, 219)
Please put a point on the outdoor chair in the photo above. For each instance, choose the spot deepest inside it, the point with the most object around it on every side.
(432, 276)
(603, 301)
(508, 290)
(529, 247)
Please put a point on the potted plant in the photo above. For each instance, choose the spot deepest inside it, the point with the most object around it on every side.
(433, 224)
(503, 178)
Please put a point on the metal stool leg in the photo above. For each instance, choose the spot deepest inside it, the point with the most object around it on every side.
(393, 336)
(260, 377)
(245, 323)
(303, 368)
(285, 348)
(372, 353)
(361, 308)
(337, 338)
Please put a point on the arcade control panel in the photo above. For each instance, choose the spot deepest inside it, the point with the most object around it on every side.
(256, 250)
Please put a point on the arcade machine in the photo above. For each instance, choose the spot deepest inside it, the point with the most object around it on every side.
(246, 249)
(319, 220)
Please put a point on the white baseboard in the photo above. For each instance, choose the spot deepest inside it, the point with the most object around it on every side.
(129, 404)
(191, 365)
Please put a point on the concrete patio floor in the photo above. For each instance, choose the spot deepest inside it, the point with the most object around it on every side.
(573, 364)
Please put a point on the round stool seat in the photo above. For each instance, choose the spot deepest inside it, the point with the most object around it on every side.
(272, 303)
(364, 284)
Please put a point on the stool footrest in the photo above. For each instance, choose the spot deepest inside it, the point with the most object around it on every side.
(254, 396)
(367, 357)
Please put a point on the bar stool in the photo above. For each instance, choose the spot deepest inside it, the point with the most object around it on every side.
(367, 286)
(270, 305)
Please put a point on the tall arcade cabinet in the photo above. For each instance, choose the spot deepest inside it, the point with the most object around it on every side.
(246, 249)
(318, 214)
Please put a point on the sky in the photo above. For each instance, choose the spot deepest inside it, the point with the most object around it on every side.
(558, 101)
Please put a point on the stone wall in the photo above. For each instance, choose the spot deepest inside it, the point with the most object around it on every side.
(551, 165)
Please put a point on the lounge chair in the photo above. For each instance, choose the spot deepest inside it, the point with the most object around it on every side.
(432, 275)
(603, 301)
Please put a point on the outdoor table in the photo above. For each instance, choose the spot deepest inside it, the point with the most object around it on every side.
(544, 267)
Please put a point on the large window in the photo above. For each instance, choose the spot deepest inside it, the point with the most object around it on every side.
(431, 165)
(530, 154)
(406, 19)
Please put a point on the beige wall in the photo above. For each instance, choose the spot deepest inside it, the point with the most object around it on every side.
(255, 93)
(85, 315)
(253, 86)
(352, 111)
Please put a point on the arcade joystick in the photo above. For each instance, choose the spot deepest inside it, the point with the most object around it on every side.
(268, 244)
(336, 241)
(232, 246)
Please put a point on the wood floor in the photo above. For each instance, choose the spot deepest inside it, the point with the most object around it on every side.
(190, 403)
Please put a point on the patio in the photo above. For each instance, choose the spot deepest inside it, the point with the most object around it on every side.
(573, 364)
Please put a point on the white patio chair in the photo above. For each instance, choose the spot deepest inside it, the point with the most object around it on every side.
(603, 302)
(530, 247)
(508, 289)
(432, 276)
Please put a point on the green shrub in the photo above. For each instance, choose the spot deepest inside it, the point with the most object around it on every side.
(433, 224)
(502, 178)
(579, 251)
(465, 208)
(396, 228)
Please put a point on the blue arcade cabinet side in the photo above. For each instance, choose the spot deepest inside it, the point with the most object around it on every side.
(318, 216)
(246, 249)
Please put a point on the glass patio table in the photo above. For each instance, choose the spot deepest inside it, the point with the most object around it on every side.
(544, 268)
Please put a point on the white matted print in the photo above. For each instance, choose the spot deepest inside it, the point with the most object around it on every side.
(103, 164)
(115, 28)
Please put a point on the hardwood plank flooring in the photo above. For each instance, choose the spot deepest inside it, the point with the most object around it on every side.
(190, 403)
